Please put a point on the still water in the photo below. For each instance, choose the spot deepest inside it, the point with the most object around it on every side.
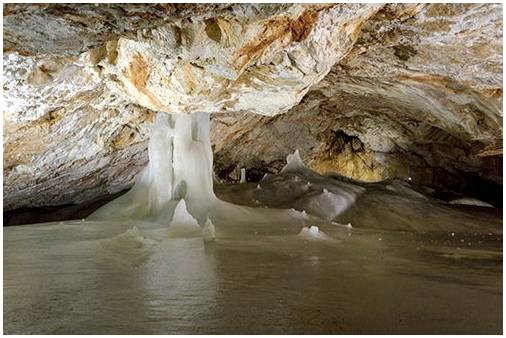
(118, 278)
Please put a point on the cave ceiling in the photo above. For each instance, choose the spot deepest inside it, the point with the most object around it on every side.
(368, 91)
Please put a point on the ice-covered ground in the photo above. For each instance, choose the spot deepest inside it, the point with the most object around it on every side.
(389, 205)
(297, 252)
(128, 277)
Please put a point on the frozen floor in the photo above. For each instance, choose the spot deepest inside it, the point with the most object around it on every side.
(111, 278)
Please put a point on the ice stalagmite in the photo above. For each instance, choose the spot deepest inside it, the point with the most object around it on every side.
(193, 164)
(293, 162)
(181, 167)
(183, 223)
(243, 176)
(151, 195)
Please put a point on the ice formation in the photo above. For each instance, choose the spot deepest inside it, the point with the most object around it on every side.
(209, 231)
(293, 163)
(312, 233)
(130, 248)
(326, 205)
(471, 201)
(178, 183)
(346, 226)
(243, 176)
(183, 223)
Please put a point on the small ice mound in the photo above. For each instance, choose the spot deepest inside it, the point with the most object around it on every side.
(346, 226)
(130, 248)
(243, 176)
(209, 231)
(313, 233)
(298, 214)
(405, 189)
(293, 162)
(183, 224)
(57, 226)
(326, 205)
(134, 233)
(471, 201)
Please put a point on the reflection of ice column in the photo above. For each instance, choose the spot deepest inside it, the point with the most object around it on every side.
(180, 166)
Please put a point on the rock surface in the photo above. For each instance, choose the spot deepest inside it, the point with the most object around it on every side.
(369, 91)
(406, 102)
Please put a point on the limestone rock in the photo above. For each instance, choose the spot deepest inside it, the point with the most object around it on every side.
(408, 90)
(369, 91)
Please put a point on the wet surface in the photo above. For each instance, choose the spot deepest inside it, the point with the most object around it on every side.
(111, 278)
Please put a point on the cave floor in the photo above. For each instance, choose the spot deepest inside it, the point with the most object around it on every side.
(113, 278)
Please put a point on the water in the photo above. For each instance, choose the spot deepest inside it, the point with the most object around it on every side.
(132, 277)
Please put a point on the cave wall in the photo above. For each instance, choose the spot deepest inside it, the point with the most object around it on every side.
(419, 97)
(367, 91)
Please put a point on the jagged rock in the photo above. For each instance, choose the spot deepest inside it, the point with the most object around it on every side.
(408, 90)
(387, 91)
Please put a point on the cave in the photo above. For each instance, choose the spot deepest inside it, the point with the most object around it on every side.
(252, 168)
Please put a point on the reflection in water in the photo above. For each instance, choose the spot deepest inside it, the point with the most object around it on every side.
(94, 277)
